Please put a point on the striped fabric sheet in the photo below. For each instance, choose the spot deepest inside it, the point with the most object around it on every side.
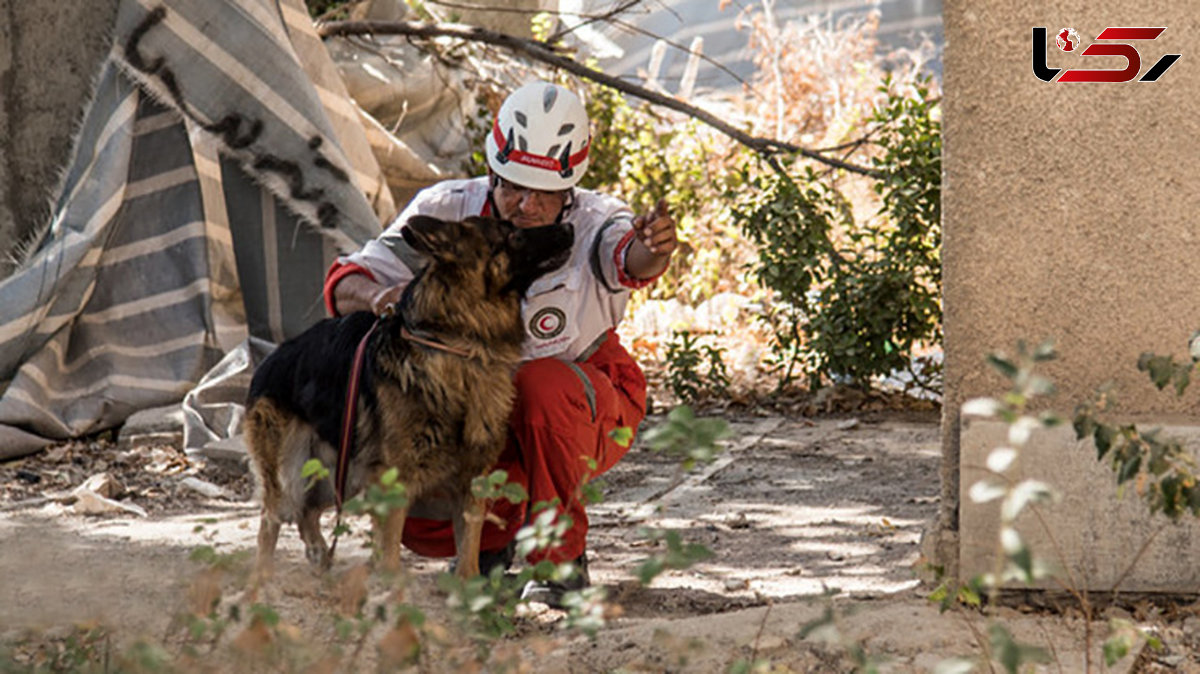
(218, 171)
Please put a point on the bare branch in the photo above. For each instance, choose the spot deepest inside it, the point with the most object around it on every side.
(607, 16)
(610, 17)
(707, 59)
(545, 53)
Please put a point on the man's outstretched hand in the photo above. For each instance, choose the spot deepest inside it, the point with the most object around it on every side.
(655, 241)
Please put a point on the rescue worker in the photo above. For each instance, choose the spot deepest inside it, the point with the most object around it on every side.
(577, 383)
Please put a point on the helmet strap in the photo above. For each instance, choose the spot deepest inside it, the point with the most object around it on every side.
(568, 203)
(493, 180)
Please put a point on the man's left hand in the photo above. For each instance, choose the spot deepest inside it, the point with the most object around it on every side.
(655, 241)
(656, 230)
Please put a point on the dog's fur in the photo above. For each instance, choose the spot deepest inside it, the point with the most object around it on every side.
(440, 418)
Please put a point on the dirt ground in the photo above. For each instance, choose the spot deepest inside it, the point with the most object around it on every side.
(792, 508)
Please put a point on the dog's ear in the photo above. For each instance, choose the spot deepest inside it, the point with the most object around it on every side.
(537, 251)
(427, 235)
(553, 247)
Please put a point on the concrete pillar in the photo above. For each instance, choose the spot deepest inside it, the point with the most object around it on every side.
(49, 54)
(8, 225)
(1070, 212)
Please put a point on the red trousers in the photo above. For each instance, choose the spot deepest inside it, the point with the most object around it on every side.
(561, 422)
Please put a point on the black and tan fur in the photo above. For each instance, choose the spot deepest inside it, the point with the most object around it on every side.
(440, 418)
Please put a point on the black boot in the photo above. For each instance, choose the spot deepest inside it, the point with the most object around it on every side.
(550, 592)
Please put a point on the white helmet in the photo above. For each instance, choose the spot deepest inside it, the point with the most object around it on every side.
(540, 138)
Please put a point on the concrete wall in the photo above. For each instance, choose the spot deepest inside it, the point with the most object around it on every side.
(1097, 536)
(49, 52)
(1070, 213)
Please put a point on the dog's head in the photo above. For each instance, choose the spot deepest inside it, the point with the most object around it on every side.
(492, 255)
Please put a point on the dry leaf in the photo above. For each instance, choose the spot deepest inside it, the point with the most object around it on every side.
(437, 632)
(400, 645)
(253, 640)
(352, 592)
(204, 592)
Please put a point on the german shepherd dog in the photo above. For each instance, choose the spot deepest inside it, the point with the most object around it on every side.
(436, 388)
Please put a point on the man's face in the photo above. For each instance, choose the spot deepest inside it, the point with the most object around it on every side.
(526, 207)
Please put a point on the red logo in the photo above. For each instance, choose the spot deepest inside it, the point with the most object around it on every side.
(548, 323)
(1067, 40)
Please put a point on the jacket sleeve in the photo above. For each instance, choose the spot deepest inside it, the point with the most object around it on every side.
(609, 249)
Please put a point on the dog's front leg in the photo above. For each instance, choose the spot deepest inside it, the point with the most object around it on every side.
(389, 532)
(468, 529)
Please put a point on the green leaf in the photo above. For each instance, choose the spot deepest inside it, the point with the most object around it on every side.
(514, 492)
(1022, 560)
(984, 491)
(1083, 424)
(1000, 458)
(592, 494)
(1115, 649)
(1045, 351)
(622, 435)
(264, 614)
(982, 407)
(1024, 493)
(650, 569)
(479, 603)
(969, 594)
(1160, 368)
(1103, 437)
(205, 554)
(314, 467)
(1129, 468)
(1183, 377)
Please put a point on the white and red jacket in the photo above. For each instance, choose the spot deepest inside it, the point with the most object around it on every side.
(567, 312)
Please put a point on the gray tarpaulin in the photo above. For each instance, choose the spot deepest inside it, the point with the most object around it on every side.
(218, 170)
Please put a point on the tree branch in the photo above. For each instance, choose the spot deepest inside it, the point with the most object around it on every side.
(544, 53)
(607, 16)
(671, 43)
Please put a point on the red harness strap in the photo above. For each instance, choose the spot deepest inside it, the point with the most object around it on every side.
(350, 416)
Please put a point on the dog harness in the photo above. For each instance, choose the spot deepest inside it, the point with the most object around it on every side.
(350, 413)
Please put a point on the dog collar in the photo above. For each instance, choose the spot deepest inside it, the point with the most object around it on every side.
(432, 343)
